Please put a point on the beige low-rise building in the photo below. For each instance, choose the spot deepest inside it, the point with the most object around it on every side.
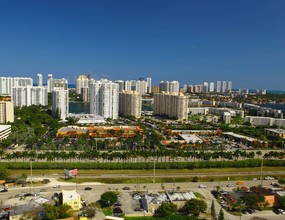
(6, 112)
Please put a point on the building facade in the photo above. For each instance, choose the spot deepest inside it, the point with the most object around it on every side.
(130, 103)
(81, 82)
(104, 99)
(29, 95)
(171, 104)
(6, 112)
(60, 103)
(5, 130)
(7, 83)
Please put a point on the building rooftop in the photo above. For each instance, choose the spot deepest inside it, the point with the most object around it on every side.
(70, 195)
(279, 131)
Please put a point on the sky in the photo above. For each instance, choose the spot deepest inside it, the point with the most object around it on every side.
(192, 41)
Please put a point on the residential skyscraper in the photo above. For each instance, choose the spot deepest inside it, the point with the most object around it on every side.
(171, 104)
(7, 83)
(218, 88)
(6, 112)
(49, 83)
(212, 87)
(224, 86)
(60, 83)
(40, 80)
(130, 103)
(148, 80)
(230, 87)
(205, 87)
(104, 99)
(81, 82)
(167, 86)
(29, 95)
(121, 84)
(60, 103)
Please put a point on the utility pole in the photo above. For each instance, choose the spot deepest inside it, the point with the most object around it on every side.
(153, 170)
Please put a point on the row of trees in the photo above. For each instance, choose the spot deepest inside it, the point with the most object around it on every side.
(163, 155)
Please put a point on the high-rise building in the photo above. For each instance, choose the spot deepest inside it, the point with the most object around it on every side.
(60, 83)
(104, 99)
(49, 83)
(130, 103)
(212, 87)
(148, 80)
(121, 84)
(218, 88)
(6, 112)
(40, 80)
(171, 104)
(224, 86)
(7, 83)
(81, 82)
(29, 95)
(128, 85)
(85, 95)
(155, 89)
(167, 86)
(230, 86)
(205, 87)
(60, 103)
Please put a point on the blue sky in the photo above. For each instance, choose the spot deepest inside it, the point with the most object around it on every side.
(191, 41)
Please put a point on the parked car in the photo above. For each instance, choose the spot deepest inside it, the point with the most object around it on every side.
(56, 186)
(87, 188)
(269, 178)
(202, 186)
(126, 188)
(4, 190)
(230, 185)
(281, 211)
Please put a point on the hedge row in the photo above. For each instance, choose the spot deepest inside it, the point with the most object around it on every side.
(143, 165)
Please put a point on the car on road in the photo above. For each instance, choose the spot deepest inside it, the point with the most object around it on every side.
(281, 211)
(269, 178)
(126, 188)
(202, 186)
(230, 185)
(57, 186)
(4, 190)
(87, 188)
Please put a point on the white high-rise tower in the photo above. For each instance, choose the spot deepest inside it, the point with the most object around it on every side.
(104, 98)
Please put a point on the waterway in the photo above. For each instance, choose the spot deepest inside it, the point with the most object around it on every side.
(84, 107)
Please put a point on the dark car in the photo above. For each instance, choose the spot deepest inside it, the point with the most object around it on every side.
(88, 188)
(126, 188)
(4, 190)
(117, 210)
(250, 211)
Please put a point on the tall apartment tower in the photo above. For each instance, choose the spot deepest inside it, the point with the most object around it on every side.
(7, 83)
(205, 87)
(104, 99)
(81, 82)
(29, 95)
(60, 103)
(121, 84)
(6, 112)
(224, 86)
(230, 86)
(167, 86)
(148, 81)
(212, 87)
(49, 83)
(218, 88)
(128, 85)
(39, 80)
(171, 104)
(130, 103)
(60, 83)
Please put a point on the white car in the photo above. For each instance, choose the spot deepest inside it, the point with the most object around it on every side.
(269, 178)
(57, 186)
(202, 186)
(281, 211)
